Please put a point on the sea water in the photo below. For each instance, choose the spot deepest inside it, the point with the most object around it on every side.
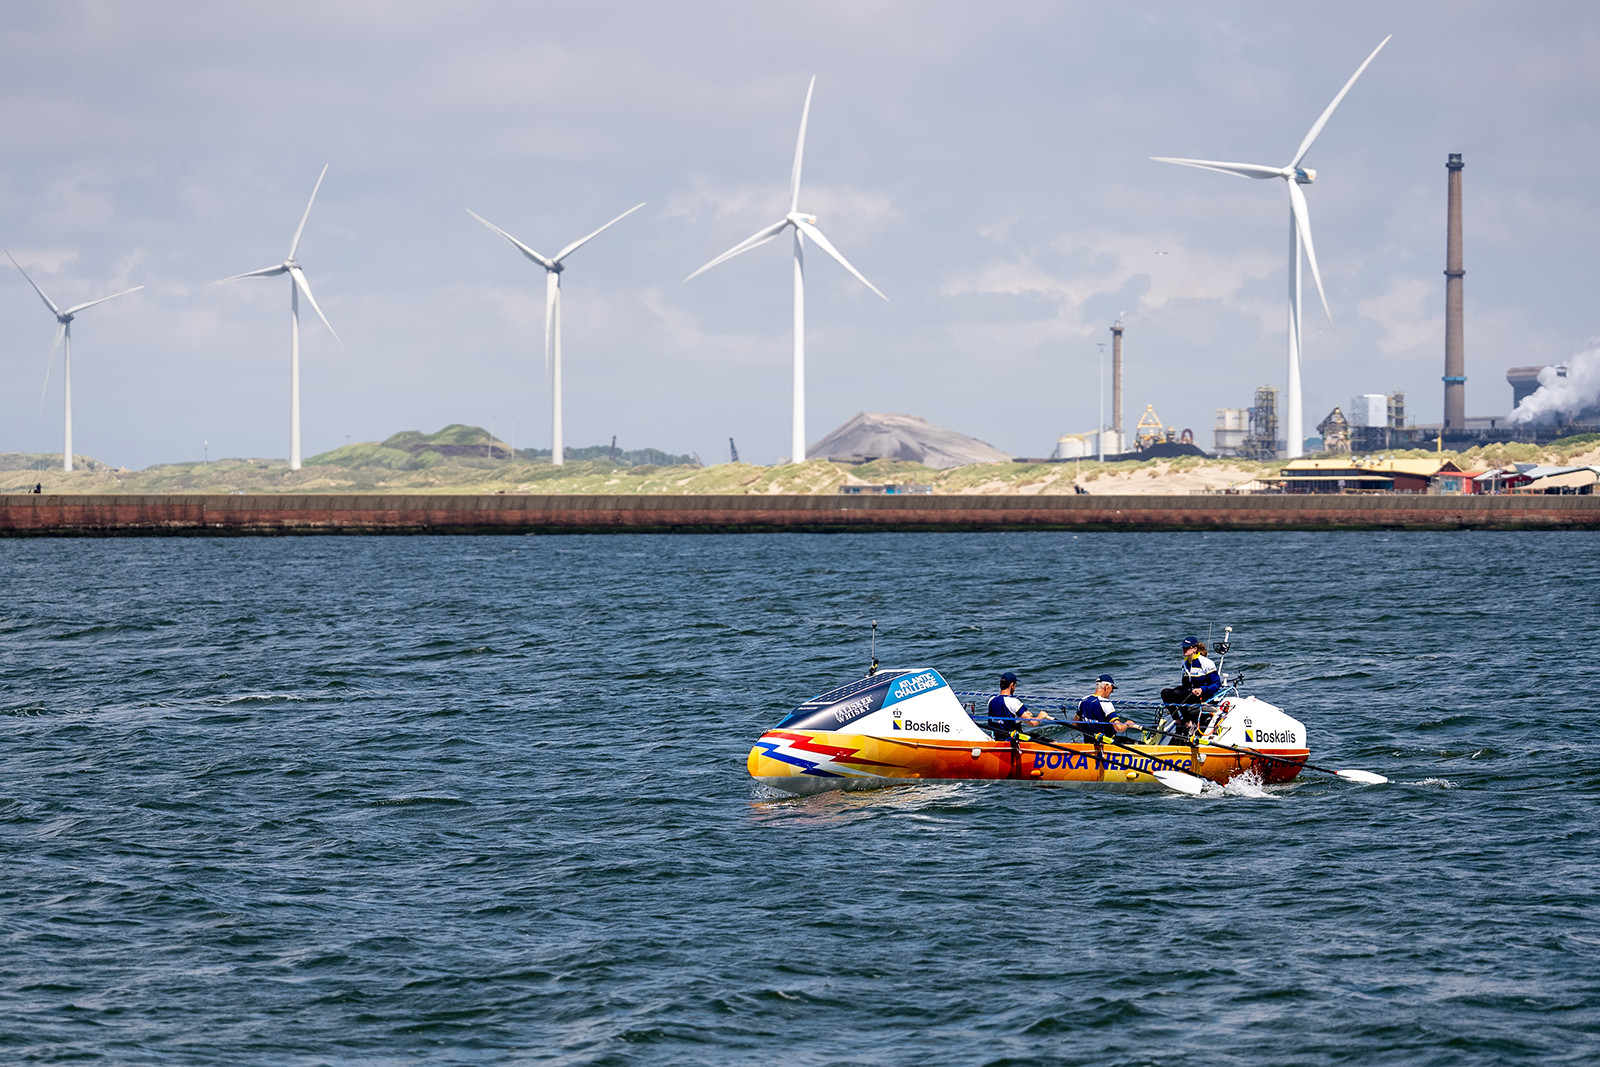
(484, 800)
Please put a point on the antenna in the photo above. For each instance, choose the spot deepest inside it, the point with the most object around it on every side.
(874, 668)
(733, 451)
(1222, 654)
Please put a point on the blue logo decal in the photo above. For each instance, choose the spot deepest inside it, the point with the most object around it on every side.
(913, 685)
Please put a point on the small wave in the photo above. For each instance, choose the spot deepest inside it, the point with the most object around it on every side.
(410, 801)
(1442, 783)
(257, 698)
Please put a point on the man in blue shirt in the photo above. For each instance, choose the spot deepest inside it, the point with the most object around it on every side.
(1007, 712)
(1200, 682)
(1097, 710)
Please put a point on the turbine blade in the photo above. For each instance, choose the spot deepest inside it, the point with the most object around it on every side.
(822, 243)
(1242, 170)
(746, 245)
(552, 291)
(543, 261)
(102, 300)
(580, 242)
(61, 330)
(294, 244)
(800, 149)
(1302, 223)
(304, 286)
(47, 301)
(264, 272)
(1322, 120)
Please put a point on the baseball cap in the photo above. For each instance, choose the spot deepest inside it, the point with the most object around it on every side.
(1190, 642)
(1107, 679)
(1008, 677)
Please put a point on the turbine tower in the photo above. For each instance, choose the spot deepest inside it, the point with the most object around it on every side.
(804, 226)
(553, 267)
(64, 339)
(297, 285)
(1294, 176)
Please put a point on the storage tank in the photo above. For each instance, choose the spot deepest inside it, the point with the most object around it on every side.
(1368, 409)
(1073, 446)
(1233, 426)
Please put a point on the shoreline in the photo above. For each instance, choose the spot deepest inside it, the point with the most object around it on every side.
(108, 515)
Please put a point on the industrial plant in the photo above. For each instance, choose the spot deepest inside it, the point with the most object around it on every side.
(1371, 422)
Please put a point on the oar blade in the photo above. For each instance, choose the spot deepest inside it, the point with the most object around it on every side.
(1180, 782)
(1364, 777)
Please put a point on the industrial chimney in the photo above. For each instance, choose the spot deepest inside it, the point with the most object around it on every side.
(1455, 367)
(1116, 385)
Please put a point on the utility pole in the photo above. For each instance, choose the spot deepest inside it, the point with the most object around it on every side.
(1100, 393)
(1116, 384)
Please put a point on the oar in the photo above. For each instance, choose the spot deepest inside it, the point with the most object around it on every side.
(1171, 775)
(1349, 774)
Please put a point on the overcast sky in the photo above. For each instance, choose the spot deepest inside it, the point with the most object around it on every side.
(984, 164)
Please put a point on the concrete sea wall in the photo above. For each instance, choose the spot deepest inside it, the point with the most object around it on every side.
(109, 515)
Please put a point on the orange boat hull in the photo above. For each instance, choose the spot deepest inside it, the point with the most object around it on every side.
(813, 761)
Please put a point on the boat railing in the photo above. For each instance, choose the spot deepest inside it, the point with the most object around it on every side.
(1158, 722)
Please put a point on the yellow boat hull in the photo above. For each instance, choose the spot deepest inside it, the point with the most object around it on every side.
(814, 761)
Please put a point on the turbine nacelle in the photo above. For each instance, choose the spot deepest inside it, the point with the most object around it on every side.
(1304, 175)
(796, 216)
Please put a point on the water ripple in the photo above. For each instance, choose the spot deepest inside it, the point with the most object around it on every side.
(480, 800)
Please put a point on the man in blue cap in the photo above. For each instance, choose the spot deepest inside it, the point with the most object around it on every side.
(1097, 710)
(1007, 712)
(1200, 682)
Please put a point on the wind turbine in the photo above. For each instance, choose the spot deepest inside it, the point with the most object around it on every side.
(804, 226)
(1294, 177)
(64, 338)
(297, 285)
(553, 266)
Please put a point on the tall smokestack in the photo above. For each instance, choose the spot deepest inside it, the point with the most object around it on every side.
(1455, 364)
(1116, 384)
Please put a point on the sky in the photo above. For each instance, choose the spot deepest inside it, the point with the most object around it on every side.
(985, 165)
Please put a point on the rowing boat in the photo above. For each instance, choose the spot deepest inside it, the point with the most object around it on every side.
(896, 727)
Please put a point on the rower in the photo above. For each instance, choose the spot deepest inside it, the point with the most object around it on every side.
(1007, 712)
(1199, 683)
(1097, 710)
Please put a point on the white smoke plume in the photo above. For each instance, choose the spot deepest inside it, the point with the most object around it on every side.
(1570, 397)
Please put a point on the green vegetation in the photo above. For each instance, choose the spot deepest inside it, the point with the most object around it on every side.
(1565, 450)
(638, 457)
(412, 450)
(468, 459)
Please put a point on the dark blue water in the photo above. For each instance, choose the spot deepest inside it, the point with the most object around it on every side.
(483, 800)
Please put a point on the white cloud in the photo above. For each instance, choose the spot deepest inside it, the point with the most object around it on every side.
(1104, 264)
(1404, 312)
